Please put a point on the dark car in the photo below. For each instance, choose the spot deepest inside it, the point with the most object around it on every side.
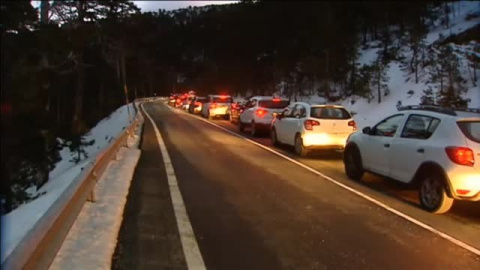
(196, 105)
(236, 110)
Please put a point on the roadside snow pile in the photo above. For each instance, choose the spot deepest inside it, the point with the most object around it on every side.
(16, 224)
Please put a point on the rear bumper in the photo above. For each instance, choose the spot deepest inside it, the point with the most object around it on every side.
(218, 111)
(464, 184)
(323, 141)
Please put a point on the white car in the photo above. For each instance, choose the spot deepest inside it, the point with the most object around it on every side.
(429, 147)
(258, 113)
(217, 105)
(310, 127)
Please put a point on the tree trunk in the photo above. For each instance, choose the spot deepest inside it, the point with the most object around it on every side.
(379, 84)
(78, 98)
(44, 11)
(416, 71)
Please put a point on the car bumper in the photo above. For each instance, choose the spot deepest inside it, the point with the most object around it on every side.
(464, 184)
(323, 141)
(219, 111)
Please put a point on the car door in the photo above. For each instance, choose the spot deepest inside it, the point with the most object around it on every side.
(247, 115)
(282, 123)
(408, 149)
(375, 149)
(295, 123)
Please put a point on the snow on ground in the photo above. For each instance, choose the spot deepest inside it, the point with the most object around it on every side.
(17, 223)
(91, 241)
(457, 20)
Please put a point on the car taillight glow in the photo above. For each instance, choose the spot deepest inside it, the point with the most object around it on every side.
(461, 155)
(308, 124)
(462, 191)
(352, 124)
(197, 103)
(261, 112)
(276, 100)
(213, 105)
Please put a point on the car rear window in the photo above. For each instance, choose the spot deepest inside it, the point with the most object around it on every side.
(271, 104)
(329, 113)
(471, 130)
(222, 100)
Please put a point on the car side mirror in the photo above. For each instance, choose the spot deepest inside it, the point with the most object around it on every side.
(367, 130)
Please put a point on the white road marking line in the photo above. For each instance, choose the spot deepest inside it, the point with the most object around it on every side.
(336, 182)
(189, 243)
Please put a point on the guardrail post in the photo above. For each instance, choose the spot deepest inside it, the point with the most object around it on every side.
(92, 197)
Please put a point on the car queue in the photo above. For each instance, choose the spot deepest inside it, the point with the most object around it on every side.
(430, 148)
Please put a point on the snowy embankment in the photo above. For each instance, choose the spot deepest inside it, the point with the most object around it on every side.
(402, 84)
(16, 224)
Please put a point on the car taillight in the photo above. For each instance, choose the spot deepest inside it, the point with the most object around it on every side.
(276, 100)
(352, 124)
(261, 112)
(310, 123)
(213, 105)
(197, 104)
(178, 100)
(461, 155)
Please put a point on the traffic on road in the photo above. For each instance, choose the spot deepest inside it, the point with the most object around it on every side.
(428, 148)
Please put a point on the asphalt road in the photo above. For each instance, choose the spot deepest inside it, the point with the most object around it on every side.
(251, 209)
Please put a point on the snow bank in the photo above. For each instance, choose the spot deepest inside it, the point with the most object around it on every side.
(17, 223)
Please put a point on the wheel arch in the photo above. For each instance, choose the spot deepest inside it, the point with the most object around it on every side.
(430, 166)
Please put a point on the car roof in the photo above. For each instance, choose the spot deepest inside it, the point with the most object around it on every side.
(267, 97)
(219, 96)
(327, 106)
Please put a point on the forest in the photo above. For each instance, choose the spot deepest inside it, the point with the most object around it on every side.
(68, 64)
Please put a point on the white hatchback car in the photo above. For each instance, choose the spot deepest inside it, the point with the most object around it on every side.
(309, 127)
(217, 105)
(258, 113)
(430, 147)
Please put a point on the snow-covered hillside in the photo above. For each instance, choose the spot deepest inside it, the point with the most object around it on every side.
(401, 82)
(17, 223)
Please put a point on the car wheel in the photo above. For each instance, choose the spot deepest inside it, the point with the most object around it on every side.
(299, 148)
(254, 129)
(273, 137)
(353, 163)
(433, 194)
(241, 126)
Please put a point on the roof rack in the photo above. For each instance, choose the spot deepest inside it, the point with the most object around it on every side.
(430, 108)
(433, 108)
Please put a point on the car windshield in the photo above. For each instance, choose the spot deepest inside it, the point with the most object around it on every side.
(222, 100)
(329, 113)
(273, 104)
(471, 130)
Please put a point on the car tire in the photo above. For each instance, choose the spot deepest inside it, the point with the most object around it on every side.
(241, 126)
(433, 194)
(352, 161)
(273, 137)
(299, 148)
(254, 129)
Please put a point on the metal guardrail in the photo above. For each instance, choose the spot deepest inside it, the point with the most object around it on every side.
(38, 248)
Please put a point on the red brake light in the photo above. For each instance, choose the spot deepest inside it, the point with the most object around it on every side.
(276, 100)
(461, 155)
(261, 112)
(178, 100)
(308, 124)
(197, 103)
(352, 124)
(223, 97)
(213, 105)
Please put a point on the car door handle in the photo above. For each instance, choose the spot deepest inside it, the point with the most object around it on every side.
(387, 145)
(420, 150)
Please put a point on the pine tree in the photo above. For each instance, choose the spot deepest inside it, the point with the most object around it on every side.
(451, 95)
(427, 97)
(380, 79)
